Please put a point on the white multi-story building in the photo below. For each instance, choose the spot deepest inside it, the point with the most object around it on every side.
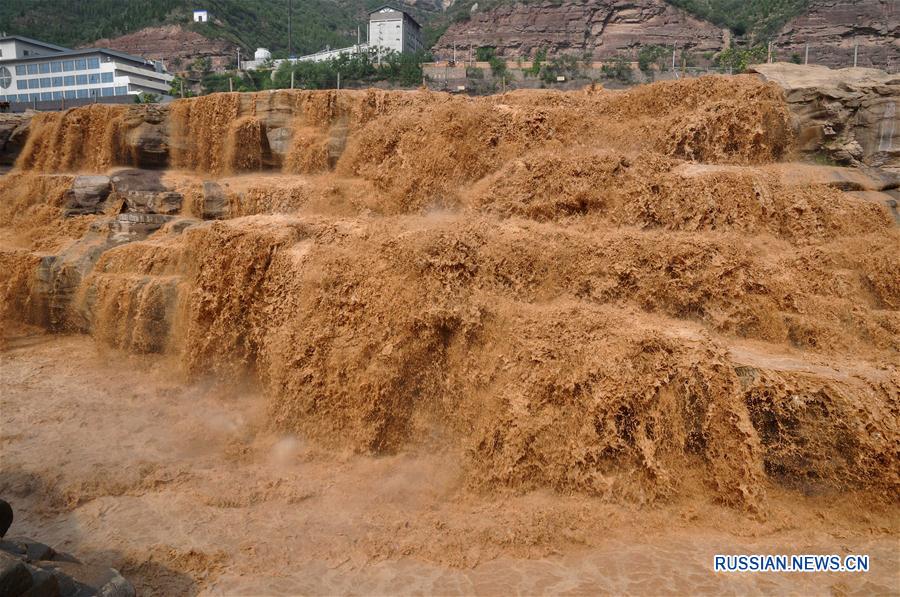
(35, 71)
(393, 29)
(389, 29)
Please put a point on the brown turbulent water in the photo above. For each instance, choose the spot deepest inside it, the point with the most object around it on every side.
(518, 341)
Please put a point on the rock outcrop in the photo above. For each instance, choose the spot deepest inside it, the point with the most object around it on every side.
(600, 29)
(833, 28)
(87, 195)
(29, 568)
(13, 133)
(849, 115)
(175, 46)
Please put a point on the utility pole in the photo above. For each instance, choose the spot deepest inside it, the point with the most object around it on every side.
(230, 86)
(339, 80)
(769, 58)
(239, 59)
(290, 29)
(806, 59)
(855, 53)
(182, 86)
(292, 76)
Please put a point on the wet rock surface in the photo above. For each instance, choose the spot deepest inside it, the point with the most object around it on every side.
(87, 195)
(215, 201)
(30, 568)
(13, 133)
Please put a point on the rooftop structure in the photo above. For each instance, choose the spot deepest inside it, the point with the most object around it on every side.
(35, 71)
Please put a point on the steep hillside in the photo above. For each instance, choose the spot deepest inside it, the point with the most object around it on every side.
(515, 27)
(759, 18)
(603, 28)
(178, 48)
(249, 23)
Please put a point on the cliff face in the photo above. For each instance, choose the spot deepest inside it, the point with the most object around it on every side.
(849, 115)
(175, 46)
(606, 28)
(833, 27)
(601, 28)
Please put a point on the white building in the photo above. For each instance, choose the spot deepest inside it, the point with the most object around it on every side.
(35, 71)
(389, 29)
(201, 16)
(392, 29)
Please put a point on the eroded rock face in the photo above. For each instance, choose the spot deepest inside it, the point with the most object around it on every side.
(600, 29)
(13, 134)
(850, 115)
(832, 28)
(87, 195)
(175, 46)
(148, 140)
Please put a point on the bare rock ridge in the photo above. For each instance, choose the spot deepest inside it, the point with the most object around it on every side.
(175, 46)
(610, 27)
(600, 29)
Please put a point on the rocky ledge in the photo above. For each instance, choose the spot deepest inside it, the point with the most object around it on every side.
(848, 115)
(30, 568)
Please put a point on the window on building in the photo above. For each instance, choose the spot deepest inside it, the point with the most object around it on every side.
(81, 64)
(46, 81)
(93, 63)
(69, 80)
(35, 97)
(81, 79)
(46, 96)
(32, 69)
(20, 69)
(20, 84)
(44, 67)
(122, 90)
(82, 94)
(23, 97)
(57, 95)
(68, 65)
(94, 79)
(34, 83)
(56, 67)
(106, 77)
(57, 81)
(69, 94)
(108, 91)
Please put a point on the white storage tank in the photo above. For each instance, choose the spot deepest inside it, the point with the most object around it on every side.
(262, 54)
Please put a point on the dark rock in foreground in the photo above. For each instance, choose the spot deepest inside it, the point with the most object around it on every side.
(32, 569)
